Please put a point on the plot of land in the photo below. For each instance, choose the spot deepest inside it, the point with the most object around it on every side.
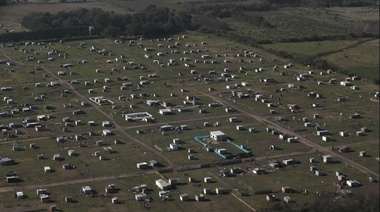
(257, 99)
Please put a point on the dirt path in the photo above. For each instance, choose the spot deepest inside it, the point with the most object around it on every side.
(73, 182)
(10, 59)
(302, 139)
(315, 147)
(347, 47)
(118, 128)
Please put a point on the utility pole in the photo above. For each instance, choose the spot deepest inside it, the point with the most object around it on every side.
(90, 29)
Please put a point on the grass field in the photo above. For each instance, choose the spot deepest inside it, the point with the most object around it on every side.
(11, 14)
(362, 59)
(296, 177)
(310, 48)
(168, 86)
(295, 22)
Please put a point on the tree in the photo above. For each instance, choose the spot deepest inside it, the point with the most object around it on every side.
(3, 3)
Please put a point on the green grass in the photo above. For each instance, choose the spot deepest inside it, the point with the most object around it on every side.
(310, 48)
(130, 153)
(8, 27)
(294, 23)
(12, 12)
(372, 150)
(362, 60)
(103, 203)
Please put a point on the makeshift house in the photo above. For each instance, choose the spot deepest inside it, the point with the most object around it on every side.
(318, 172)
(190, 157)
(258, 171)
(220, 190)
(327, 158)
(6, 161)
(323, 132)
(286, 189)
(106, 124)
(345, 83)
(69, 199)
(57, 157)
(71, 152)
(68, 166)
(184, 197)
(154, 163)
(207, 179)
(313, 168)
(110, 188)
(207, 191)
(41, 191)
(287, 199)
(165, 111)
(115, 200)
(218, 135)
(166, 127)
(139, 188)
(359, 133)
(106, 132)
(143, 165)
(141, 197)
(326, 138)
(20, 195)
(86, 190)
(344, 133)
(341, 177)
(44, 198)
(239, 127)
(200, 197)
(17, 148)
(47, 169)
(163, 185)
(289, 161)
(270, 197)
(13, 179)
(173, 146)
(352, 183)
(275, 164)
(174, 181)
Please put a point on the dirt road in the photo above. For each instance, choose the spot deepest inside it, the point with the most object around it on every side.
(302, 139)
(118, 128)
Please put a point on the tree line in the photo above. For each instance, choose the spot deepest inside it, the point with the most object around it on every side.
(321, 3)
(226, 10)
(48, 34)
(152, 22)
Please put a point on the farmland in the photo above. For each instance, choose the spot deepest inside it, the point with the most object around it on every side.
(126, 112)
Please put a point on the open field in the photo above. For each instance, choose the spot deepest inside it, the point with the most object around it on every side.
(310, 48)
(215, 80)
(15, 13)
(298, 178)
(295, 22)
(353, 57)
(362, 59)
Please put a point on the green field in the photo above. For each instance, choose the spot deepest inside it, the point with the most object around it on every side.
(129, 79)
(258, 142)
(310, 48)
(362, 60)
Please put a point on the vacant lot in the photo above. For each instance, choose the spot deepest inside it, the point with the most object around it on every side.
(15, 13)
(310, 48)
(362, 59)
(294, 23)
(204, 81)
